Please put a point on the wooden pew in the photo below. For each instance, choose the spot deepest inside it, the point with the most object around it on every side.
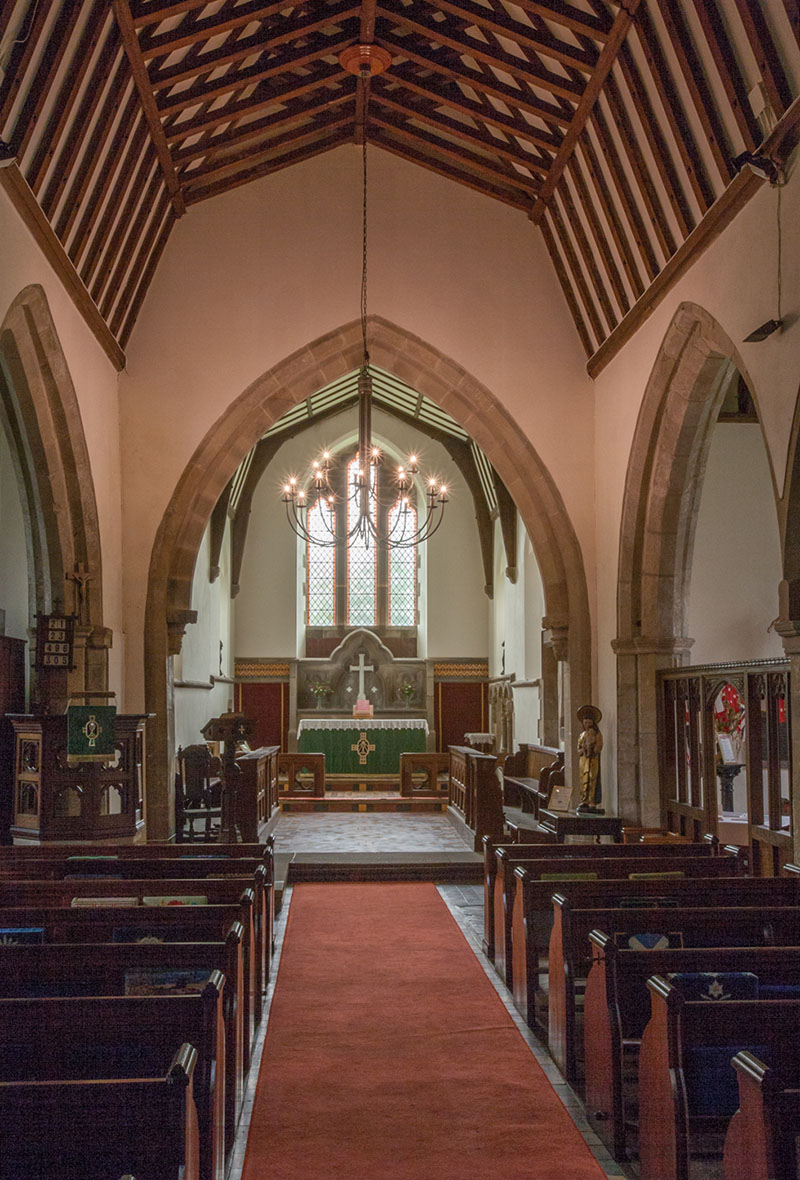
(500, 859)
(719, 926)
(601, 867)
(60, 893)
(685, 1037)
(761, 1140)
(100, 969)
(91, 1129)
(48, 1040)
(534, 916)
(164, 850)
(616, 1009)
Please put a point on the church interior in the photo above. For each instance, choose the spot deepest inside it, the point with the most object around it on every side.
(400, 533)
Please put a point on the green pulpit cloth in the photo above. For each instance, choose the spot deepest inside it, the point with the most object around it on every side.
(348, 752)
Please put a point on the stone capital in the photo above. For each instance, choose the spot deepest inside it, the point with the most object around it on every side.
(789, 631)
(177, 622)
(556, 635)
(652, 645)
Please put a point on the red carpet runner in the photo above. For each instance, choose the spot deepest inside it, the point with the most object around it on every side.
(389, 1054)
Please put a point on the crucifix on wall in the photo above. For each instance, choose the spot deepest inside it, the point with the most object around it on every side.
(361, 667)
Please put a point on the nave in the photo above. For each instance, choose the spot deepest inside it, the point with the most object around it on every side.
(428, 1072)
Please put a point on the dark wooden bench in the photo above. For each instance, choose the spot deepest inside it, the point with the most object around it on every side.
(91, 1129)
(101, 969)
(761, 1140)
(699, 926)
(527, 783)
(53, 1039)
(559, 867)
(500, 859)
(16, 857)
(687, 1084)
(617, 1007)
(42, 894)
(534, 916)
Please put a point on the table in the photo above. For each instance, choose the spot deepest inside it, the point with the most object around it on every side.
(567, 823)
(369, 746)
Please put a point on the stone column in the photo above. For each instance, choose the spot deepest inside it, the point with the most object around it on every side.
(555, 635)
(638, 660)
(789, 631)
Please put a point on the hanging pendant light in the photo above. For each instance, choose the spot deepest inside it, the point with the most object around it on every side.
(366, 500)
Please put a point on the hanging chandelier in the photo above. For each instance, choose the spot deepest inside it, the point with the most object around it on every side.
(384, 516)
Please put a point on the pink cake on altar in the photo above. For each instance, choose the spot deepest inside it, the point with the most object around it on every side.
(363, 708)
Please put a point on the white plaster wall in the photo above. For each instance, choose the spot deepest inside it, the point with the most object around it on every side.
(737, 557)
(735, 281)
(95, 381)
(517, 611)
(14, 560)
(269, 612)
(200, 660)
(251, 276)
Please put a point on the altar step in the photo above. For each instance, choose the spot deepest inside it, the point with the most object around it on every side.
(440, 867)
(367, 800)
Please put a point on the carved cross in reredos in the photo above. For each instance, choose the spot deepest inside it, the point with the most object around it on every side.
(361, 667)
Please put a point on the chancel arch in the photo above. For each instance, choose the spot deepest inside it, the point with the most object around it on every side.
(42, 423)
(295, 379)
(695, 371)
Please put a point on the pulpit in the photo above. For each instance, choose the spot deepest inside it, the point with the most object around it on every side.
(56, 799)
(369, 746)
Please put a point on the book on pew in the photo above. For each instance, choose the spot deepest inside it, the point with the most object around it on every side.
(165, 981)
(19, 935)
(175, 899)
(109, 902)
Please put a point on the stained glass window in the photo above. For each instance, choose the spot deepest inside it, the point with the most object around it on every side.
(361, 562)
(321, 568)
(402, 568)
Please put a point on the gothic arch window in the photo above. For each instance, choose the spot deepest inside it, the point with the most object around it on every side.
(363, 584)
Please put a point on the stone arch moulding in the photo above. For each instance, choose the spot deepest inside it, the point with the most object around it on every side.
(41, 415)
(663, 484)
(263, 403)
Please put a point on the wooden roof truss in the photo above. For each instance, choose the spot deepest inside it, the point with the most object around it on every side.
(612, 125)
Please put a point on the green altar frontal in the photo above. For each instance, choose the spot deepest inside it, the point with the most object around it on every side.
(370, 746)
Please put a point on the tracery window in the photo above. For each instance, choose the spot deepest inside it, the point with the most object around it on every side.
(364, 584)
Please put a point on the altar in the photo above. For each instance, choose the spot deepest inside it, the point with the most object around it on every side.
(369, 746)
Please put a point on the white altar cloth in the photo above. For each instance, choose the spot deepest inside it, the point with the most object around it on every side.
(361, 723)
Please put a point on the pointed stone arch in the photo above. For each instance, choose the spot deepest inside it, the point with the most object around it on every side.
(41, 416)
(293, 380)
(663, 484)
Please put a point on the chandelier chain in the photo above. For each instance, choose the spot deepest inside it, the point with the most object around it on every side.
(364, 252)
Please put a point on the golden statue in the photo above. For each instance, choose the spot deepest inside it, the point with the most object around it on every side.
(590, 743)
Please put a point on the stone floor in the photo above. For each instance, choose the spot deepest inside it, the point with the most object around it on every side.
(348, 832)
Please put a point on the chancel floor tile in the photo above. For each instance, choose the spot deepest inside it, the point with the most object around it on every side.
(351, 832)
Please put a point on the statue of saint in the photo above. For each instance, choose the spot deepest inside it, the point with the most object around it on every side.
(590, 743)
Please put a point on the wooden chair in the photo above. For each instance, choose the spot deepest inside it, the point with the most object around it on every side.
(197, 794)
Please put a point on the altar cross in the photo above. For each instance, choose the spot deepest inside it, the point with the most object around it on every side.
(361, 667)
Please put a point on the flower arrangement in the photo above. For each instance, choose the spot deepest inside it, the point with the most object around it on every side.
(407, 690)
(319, 690)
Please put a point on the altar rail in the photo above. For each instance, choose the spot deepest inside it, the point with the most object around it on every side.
(477, 792)
(717, 721)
